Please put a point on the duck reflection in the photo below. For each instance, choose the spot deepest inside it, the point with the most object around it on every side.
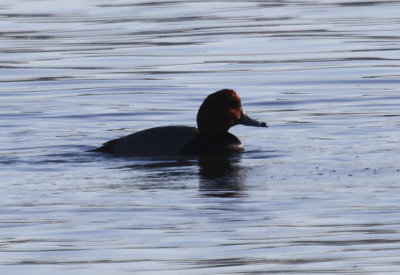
(221, 175)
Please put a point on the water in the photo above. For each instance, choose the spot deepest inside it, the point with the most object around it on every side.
(316, 192)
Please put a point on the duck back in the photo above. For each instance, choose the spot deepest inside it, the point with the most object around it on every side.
(158, 141)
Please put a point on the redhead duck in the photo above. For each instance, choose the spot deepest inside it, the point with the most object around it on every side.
(219, 112)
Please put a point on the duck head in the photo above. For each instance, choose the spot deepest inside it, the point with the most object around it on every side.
(220, 111)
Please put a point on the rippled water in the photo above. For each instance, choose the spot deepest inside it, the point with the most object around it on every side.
(316, 192)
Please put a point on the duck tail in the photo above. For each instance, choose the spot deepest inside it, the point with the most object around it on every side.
(107, 147)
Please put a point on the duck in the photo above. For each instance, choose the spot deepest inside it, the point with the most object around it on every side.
(219, 112)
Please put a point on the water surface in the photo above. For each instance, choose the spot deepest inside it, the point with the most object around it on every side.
(316, 192)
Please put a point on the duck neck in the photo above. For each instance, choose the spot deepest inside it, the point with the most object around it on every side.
(212, 133)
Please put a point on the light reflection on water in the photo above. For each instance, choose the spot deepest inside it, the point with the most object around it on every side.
(316, 192)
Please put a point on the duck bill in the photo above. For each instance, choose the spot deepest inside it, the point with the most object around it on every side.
(246, 120)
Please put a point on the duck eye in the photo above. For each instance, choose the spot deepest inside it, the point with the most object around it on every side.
(235, 104)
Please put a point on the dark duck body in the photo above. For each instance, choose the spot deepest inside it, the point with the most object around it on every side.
(219, 112)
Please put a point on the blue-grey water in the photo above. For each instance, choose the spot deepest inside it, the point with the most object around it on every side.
(318, 191)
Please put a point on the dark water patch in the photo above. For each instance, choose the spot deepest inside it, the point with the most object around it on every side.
(366, 3)
(108, 115)
(144, 4)
(357, 101)
(27, 15)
